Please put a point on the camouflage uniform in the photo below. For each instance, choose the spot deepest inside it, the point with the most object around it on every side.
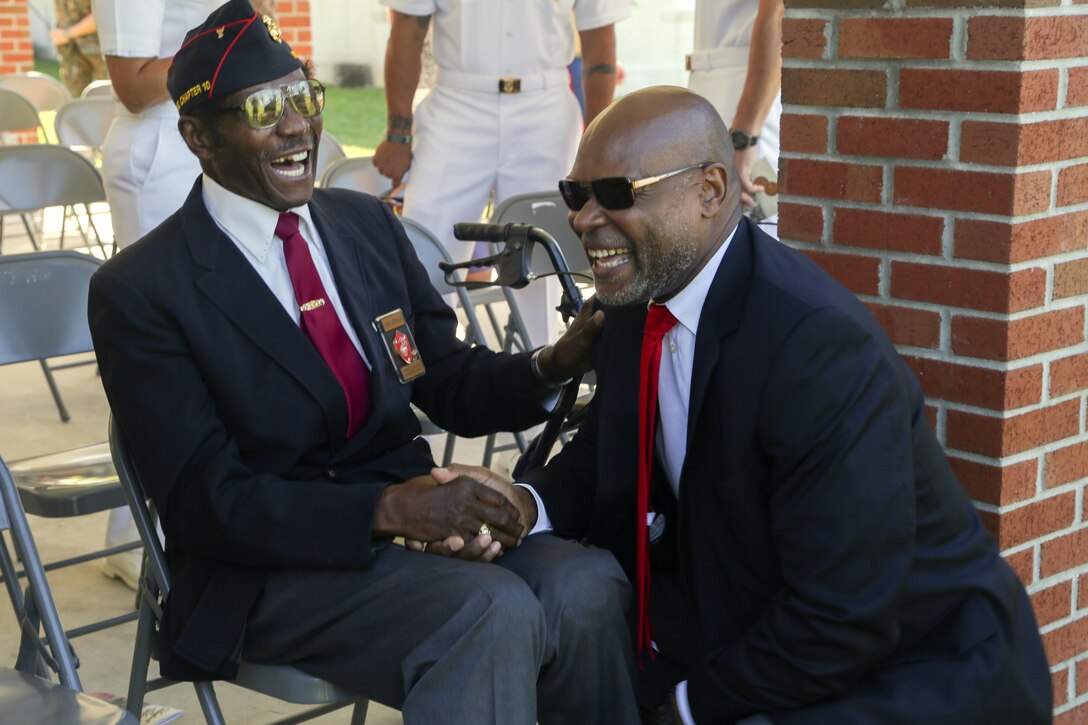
(80, 58)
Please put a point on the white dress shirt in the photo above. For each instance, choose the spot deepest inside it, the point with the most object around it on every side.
(252, 228)
(673, 399)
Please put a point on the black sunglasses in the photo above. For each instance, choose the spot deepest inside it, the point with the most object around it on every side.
(613, 192)
(264, 108)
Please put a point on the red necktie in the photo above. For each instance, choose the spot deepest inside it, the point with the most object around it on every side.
(658, 322)
(321, 324)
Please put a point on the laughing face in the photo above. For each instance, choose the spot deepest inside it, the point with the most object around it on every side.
(274, 165)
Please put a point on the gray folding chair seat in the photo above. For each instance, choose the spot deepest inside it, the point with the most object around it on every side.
(82, 123)
(18, 113)
(329, 151)
(279, 681)
(356, 173)
(44, 91)
(36, 176)
(99, 89)
(29, 700)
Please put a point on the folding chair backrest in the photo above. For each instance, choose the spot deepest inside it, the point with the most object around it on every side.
(99, 89)
(44, 91)
(34, 176)
(17, 113)
(547, 211)
(84, 121)
(430, 252)
(13, 519)
(358, 174)
(43, 305)
(329, 151)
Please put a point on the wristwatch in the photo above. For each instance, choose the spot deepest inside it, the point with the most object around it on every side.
(742, 139)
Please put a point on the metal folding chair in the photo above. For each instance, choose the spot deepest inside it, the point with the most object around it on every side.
(97, 89)
(83, 123)
(356, 173)
(329, 151)
(44, 91)
(18, 113)
(279, 681)
(27, 694)
(37, 176)
(547, 211)
(430, 252)
(43, 314)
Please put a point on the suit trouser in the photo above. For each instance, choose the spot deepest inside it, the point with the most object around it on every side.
(539, 635)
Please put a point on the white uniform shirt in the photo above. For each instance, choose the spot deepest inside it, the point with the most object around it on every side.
(509, 37)
(724, 23)
(147, 28)
(252, 228)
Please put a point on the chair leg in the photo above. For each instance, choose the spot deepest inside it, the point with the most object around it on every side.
(447, 453)
(358, 714)
(30, 232)
(141, 659)
(213, 715)
(55, 391)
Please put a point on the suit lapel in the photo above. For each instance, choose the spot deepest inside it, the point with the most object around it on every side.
(720, 317)
(233, 286)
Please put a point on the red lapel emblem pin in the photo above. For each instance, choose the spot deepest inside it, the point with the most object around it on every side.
(404, 348)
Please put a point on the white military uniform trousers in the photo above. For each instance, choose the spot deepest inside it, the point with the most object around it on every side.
(467, 143)
(148, 171)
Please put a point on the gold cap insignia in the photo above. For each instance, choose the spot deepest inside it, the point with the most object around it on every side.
(273, 28)
(219, 32)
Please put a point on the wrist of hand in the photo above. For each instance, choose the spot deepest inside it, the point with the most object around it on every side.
(543, 368)
(399, 138)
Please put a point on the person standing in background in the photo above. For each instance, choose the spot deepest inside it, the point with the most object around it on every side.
(78, 51)
(737, 66)
(501, 116)
(146, 166)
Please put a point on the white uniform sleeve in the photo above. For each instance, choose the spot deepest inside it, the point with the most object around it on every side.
(411, 7)
(130, 28)
(590, 14)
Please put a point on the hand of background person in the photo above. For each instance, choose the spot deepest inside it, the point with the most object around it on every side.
(422, 510)
(573, 353)
(392, 160)
(744, 160)
(59, 36)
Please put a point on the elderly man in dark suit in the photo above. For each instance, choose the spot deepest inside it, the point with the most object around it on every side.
(801, 549)
(259, 350)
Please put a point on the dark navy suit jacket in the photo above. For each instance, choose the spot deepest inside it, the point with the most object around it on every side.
(236, 424)
(839, 572)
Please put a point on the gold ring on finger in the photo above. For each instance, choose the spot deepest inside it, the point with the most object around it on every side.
(485, 530)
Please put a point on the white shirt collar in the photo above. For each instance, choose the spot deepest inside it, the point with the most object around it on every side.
(687, 304)
(249, 223)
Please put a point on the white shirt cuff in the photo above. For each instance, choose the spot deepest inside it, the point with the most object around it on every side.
(682, 703)
(543, 523)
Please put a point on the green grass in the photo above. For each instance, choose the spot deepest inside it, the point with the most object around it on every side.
(355, 116)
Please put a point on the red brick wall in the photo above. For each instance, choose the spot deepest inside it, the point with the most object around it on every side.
(935, 160)
(16, 52)
(294, 20)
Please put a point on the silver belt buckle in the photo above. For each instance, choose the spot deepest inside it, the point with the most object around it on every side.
(509, 85)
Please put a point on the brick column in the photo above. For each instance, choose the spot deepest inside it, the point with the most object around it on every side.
(935, 160)
(16, 52)
(294, 18)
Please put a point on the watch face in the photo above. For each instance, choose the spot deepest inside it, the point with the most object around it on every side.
(741, 139)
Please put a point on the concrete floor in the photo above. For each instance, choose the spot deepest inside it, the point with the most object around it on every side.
(30, 425)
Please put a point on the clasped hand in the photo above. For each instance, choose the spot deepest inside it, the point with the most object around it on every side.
(443, 513)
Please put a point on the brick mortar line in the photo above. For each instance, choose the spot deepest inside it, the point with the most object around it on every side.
(1010, 65)
(1072, 113)
(945, 164)
(1071, 618)
(1077, 525)
(922, 211)
(1070, 575)
(914, 13)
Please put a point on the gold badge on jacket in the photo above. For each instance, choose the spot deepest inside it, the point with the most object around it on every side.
(400, 345)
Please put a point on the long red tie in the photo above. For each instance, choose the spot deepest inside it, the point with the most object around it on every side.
(322, 325)
(658, 322)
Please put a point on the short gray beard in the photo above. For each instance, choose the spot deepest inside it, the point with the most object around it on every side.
(661, 266)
